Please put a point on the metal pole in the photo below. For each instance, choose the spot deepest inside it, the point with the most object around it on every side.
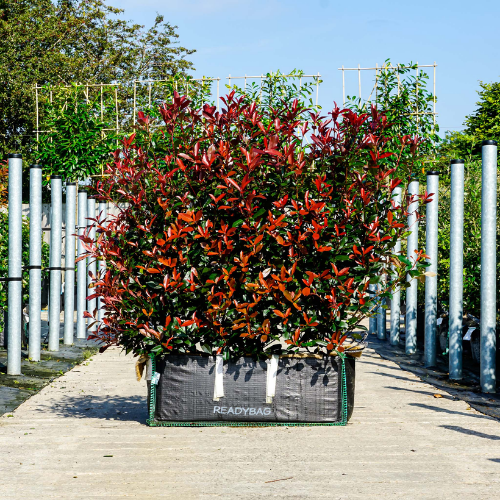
(55, 262)
(456, 268)
(431, 249)
(488, 266)
(411, 291)
(359, 81)
(91, 263)
(135, 99)
(14, 283)
(317, 89)
(102, 263)
(69, 275)
(218, 80)
(81, 282)
(434, 100)
(396, 294)
(343, 85)
(35, 269)
(381, 315)
(373, 319)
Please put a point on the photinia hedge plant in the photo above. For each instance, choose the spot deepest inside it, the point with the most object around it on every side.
(253, 231)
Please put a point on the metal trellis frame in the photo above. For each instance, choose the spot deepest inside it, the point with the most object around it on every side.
(378, 69)
(87, 87)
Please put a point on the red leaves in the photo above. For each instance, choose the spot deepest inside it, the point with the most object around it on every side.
(169, 262)
(284, 315)
(128, 141)
(190, 217)
(336, 341)
(181, 164)
(293, 297)
(426, 198)
(142, 119)
(309, 321)
(295, 338)
(240, 228)
(208, 111)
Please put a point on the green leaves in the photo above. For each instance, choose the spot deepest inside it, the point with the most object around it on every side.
(402, 95)
(76, 145)
(75, 41)
(405, 260)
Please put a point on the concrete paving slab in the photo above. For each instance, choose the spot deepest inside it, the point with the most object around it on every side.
(14, 389)
(84, 436)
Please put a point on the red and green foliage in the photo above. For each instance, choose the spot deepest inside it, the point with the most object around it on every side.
(239, 237)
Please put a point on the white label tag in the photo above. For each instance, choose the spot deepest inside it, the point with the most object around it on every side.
(155, 378)
(272, 371)
(219, 380)
(439, 321)
(468, 335)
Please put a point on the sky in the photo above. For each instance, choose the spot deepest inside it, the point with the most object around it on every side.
(238, 37)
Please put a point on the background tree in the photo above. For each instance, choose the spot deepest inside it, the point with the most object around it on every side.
(483, 124)
(70, 41)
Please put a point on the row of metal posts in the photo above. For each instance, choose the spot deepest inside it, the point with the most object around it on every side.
(488, 272)
(86, 212)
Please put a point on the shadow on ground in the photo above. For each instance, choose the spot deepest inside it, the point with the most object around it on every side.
(450, 412)
(470, 432)
(468, 389)
(129, 409)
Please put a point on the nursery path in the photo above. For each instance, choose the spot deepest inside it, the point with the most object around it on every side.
(83, 436)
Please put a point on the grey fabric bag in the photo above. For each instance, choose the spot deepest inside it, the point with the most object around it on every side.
(308, 390)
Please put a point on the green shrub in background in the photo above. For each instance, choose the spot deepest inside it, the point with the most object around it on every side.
(472, 239)
(481, 125)
(66, 41)
(278, 90)
(4, 255)
(76, 144)
(408, 105)
(83, 129)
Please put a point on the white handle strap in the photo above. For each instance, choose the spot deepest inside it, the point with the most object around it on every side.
(272, 371)
(219, 381)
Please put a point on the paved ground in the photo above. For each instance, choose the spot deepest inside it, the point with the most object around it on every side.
(14, 389)
(84, 437)
(468, 389)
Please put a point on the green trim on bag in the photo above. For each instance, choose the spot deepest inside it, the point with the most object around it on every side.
(152, 422)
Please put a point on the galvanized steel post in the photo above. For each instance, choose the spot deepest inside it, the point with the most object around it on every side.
(431, 249)
(14, 281)
(488, 266)
(102, 263)
(372, 326)
(35, 268)
(381, 316)
(55, 262)
(411, 291)
(456, 268)
(81, 281)
(91, 263)
(396, 294)
(69, 266)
